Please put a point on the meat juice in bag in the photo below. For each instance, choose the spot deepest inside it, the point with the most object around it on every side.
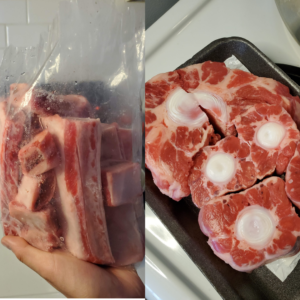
(70, 135)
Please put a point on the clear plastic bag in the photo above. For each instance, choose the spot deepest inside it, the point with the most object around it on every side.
(71, 135)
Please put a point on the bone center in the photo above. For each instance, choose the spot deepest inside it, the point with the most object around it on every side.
(184, 109)
(255, 225)
(270, 135)
(220, 167)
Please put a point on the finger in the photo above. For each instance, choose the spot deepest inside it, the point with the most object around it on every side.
(30, 256)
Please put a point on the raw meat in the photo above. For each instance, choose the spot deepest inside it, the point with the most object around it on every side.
(123, 229)
(225, 167)
(45, 103)
(43, 240)
(224, 93)
(292, 178)
(126, 139)
(35, 192)
(40, 155)
(79, 198)
(12, 135)
(272, 135)
(121, 182)
(252, 228)
(40, 229)
(140, 215)
(176, 129)
(112, 147)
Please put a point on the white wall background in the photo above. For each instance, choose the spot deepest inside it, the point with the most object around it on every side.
(22, 21)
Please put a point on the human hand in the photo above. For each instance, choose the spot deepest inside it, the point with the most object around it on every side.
(76, 278)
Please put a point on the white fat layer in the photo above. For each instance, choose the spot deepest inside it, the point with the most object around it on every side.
(270, 135)
(220, 167)
(183, 109)
(256, 226)
(212, 102)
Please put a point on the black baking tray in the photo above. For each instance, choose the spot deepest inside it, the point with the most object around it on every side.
(181, 217)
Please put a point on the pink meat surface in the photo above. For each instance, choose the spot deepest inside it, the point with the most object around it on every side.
(267, 160)
(35, 192)
(140, 215)
(204, 189)
(40, 155)
(40, 229)
(79, 199)
(292, 178)
(45, 103)
(218, 220)
(126, 241)
(126, 139)
(121, 182)
(170, 145)
(112, 147)
(236, 91)
(12, 135)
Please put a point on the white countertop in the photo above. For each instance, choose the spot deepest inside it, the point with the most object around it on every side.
(185, 29)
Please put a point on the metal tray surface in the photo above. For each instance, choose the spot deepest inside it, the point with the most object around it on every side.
(181, 218)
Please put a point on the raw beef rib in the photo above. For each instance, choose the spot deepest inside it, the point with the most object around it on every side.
(272, 134)
(40, 229)
(176, 129)
(45, 103)
(35, 192)
(252, 228)
(292, 178)
(13, 128)
(39, 155)
(79, 197)
(225, 167)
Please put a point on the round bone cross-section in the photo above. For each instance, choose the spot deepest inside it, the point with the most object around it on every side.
(184, 110)
(272, 135)
(253, 227)
(174, 133)
(222, 168)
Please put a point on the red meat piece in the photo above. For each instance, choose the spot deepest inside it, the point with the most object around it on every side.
(35, 192)
(112, 147)
(218, 220)
(12, 132)
(40, 155)
(204, 189)
(126, 139)
(238, 91)
(266, 160)
(45, 103)
(292, 178)
(79, 197)
(121, 182)
(40, 229)
(127, 243)
(170, 145)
